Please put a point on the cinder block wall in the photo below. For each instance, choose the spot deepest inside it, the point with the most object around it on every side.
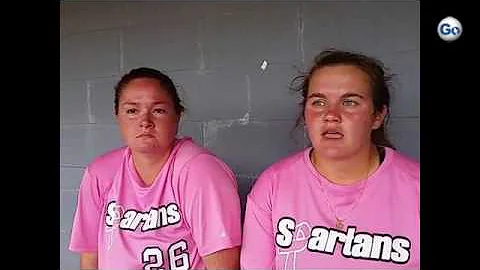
(213, 51)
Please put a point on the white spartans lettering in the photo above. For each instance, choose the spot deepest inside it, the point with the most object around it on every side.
(363, 245)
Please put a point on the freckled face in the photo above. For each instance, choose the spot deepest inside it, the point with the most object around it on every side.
(339, 111)
(146, 116)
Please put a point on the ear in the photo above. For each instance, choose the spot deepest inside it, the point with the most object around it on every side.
(379, 117)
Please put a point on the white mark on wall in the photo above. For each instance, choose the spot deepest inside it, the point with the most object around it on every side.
(122, 64)
(203, 131)
(264, 65)
(300, 32)
(246, 117)
(210, 131)
(91, 116)
(211, 128)
(200, 45)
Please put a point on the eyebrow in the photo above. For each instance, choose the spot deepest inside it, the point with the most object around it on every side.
(136, 103)
(347, 95)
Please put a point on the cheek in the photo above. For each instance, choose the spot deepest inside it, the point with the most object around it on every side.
(360, 123)
(313, 124)
(126, 125)
(311, 116)
(167, 123)
(360, 116)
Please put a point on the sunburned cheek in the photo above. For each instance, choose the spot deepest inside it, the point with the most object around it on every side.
(358, 116)
(311, 115)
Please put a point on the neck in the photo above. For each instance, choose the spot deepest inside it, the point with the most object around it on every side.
(347, 171)
(148, 165)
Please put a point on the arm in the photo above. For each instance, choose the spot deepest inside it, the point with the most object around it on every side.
(88, 260)
(258, 247)
(223, 259)
(212, 211)
(87, 215)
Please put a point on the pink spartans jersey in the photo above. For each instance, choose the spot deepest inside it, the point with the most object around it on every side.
(191, 210)
(290, 224)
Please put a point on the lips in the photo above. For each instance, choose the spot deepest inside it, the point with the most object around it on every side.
(332, 134)
(145, 136)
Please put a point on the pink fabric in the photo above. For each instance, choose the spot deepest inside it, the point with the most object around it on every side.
(191, 210)
(289, 224)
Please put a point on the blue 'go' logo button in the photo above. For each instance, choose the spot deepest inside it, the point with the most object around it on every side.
(449, 29)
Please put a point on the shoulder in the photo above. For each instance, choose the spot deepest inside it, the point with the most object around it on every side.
(285, 165)
(101, 171)
(190, 156)
(107, 161)
(199, 169)
(404, 164)
(190, 153)
(269, 178)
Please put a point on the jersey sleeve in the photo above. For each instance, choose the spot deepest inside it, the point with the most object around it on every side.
(210, 203)
(87, 215)
(258, 248)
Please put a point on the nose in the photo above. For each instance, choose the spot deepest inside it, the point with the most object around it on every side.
(146, 121)
(332, 114)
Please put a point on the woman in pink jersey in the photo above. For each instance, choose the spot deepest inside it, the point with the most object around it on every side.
(348, 201)
(159, 202)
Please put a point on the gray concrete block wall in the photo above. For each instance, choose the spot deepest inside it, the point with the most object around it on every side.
(213, 52)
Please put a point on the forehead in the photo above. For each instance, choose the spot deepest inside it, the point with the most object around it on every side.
(144, 88)
(339, 79)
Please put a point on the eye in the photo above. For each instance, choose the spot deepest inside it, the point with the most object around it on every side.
(131, 111)
(319, 102)
(350, 102)
(159, 111)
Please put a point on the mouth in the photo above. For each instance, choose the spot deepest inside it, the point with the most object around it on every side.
(145, 136)
(332, 134)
